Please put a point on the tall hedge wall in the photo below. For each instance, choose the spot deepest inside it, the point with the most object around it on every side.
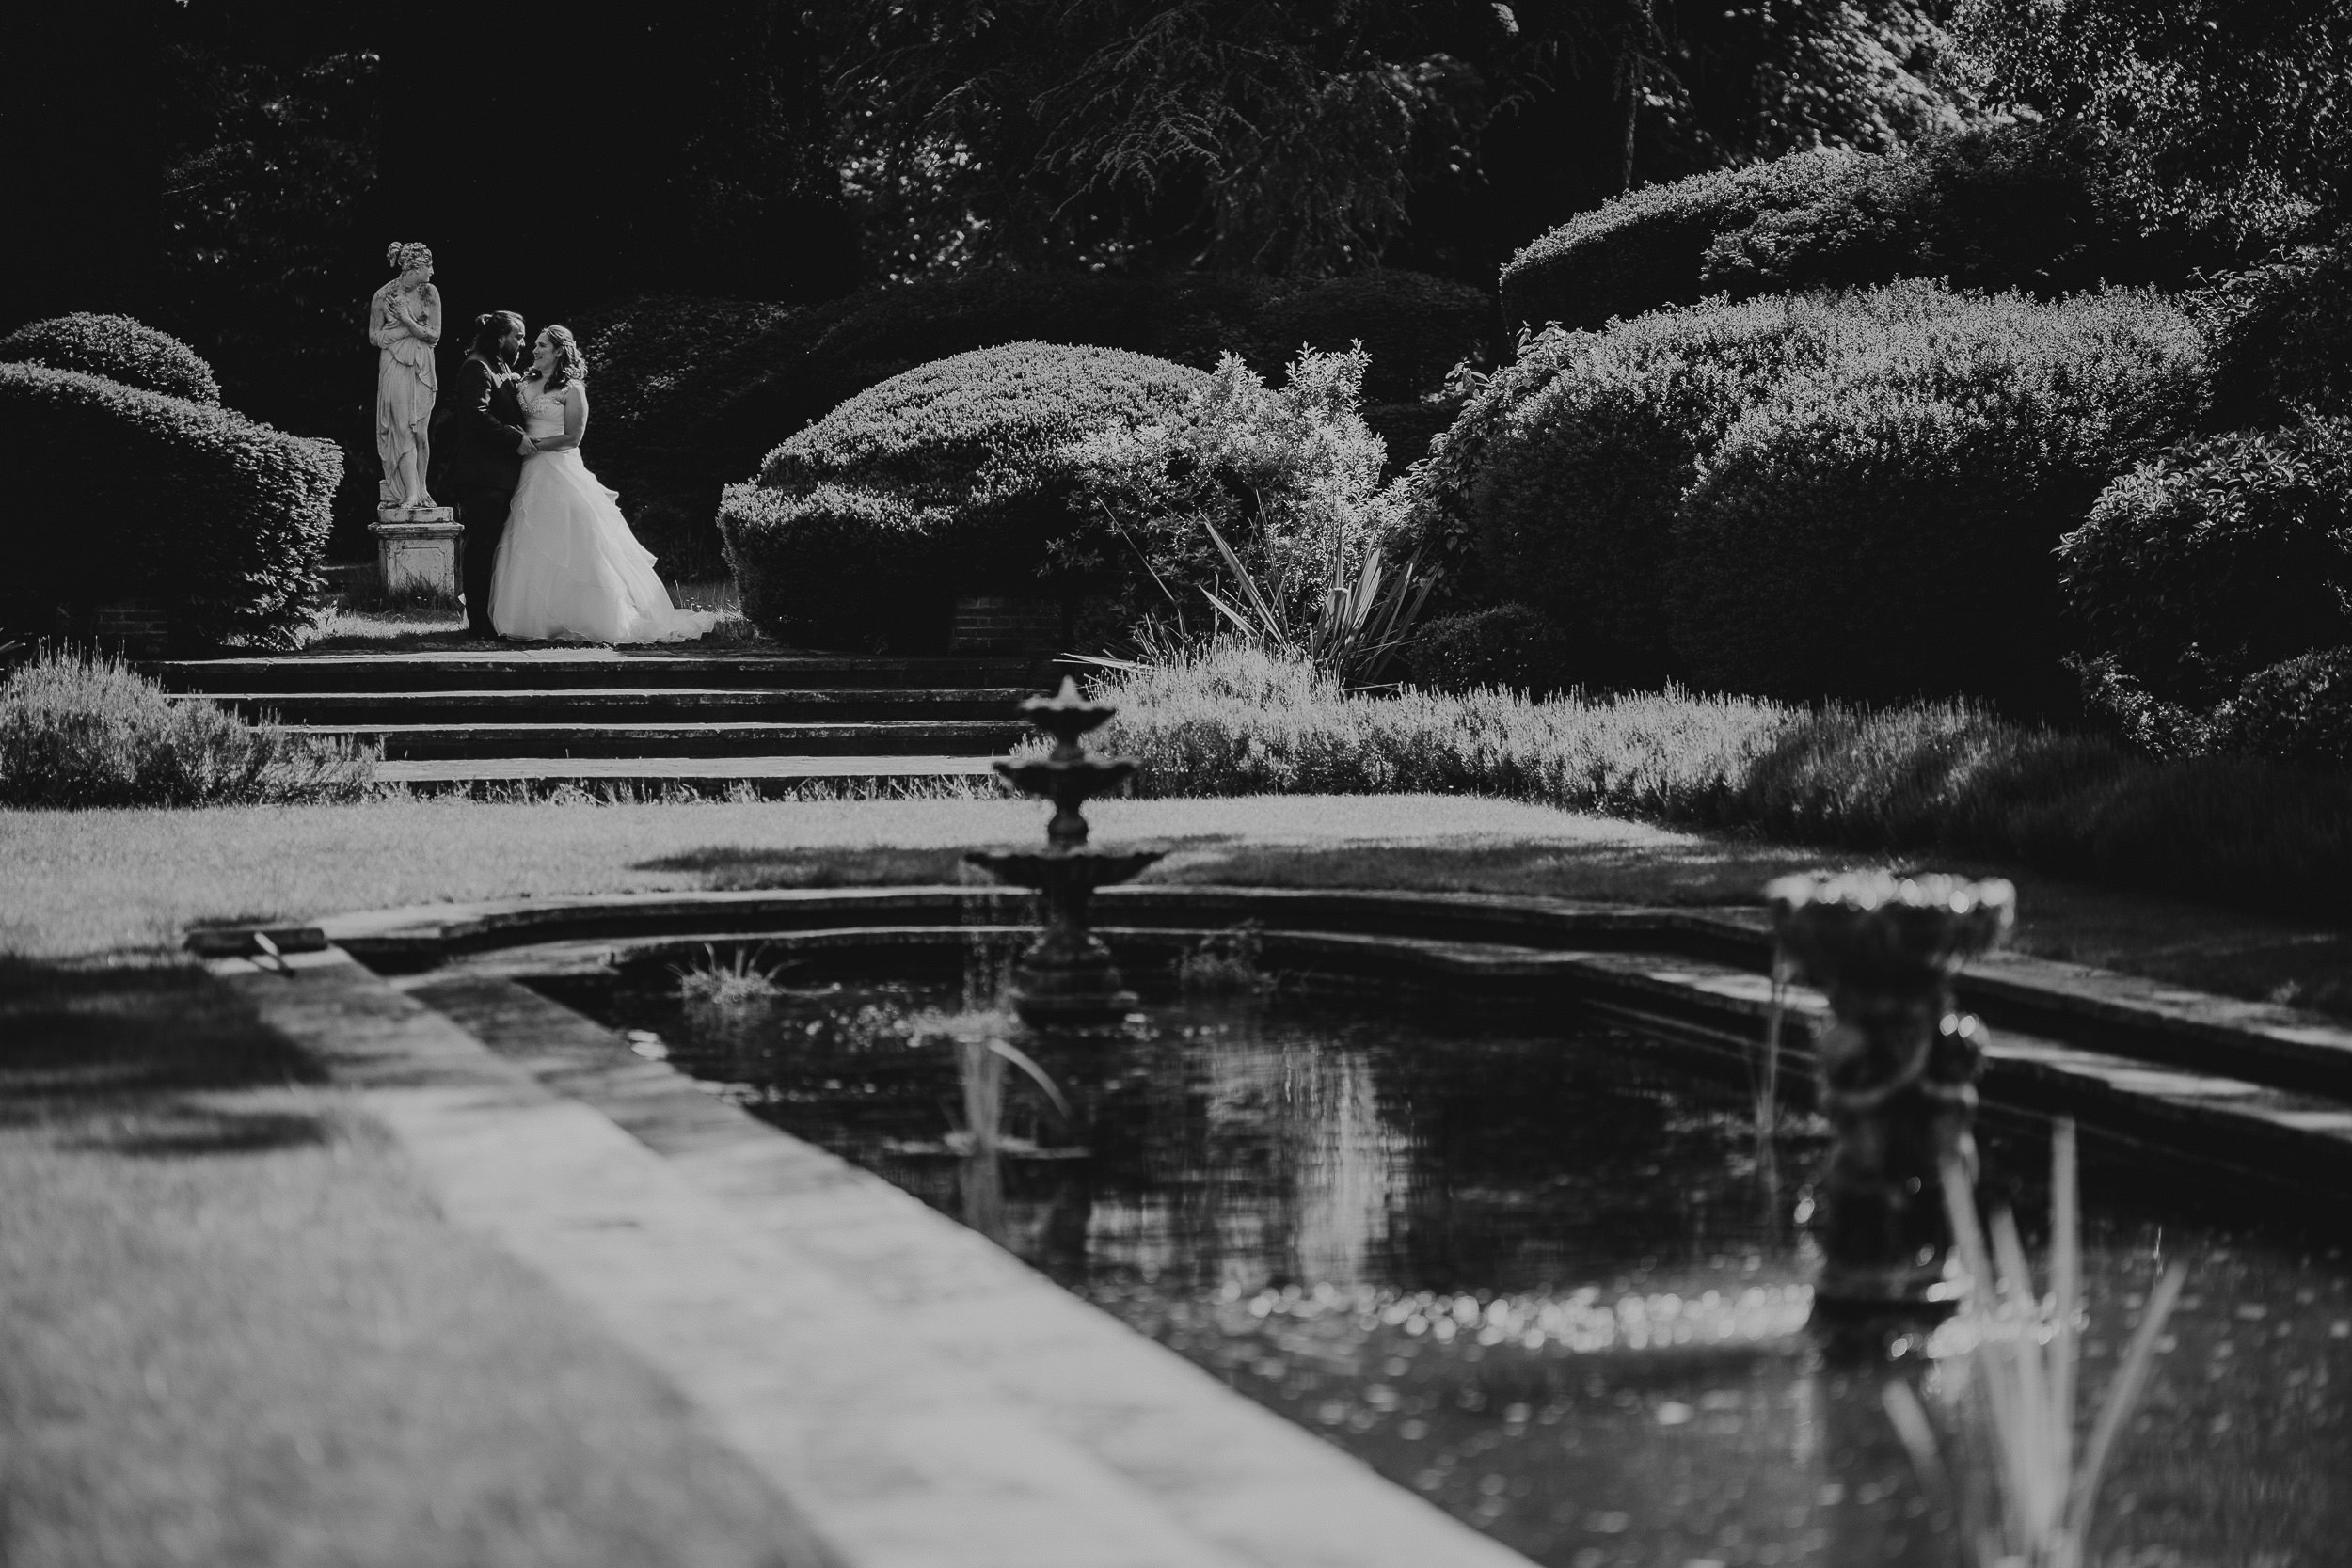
(121, 492)
(947, 478)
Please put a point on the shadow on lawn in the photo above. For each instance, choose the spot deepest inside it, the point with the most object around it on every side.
(129, 1055)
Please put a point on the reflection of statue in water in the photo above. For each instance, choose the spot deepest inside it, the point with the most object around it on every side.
(403, 323)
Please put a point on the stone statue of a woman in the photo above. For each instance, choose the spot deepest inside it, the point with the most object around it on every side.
(403, 323)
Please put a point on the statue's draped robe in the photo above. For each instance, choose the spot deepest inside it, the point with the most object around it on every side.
(405, 386)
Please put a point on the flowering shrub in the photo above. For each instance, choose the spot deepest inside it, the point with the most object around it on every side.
(127, 493)
(1882, 525)
(1286, 475)
(1945, 777)
(78, 732)
(118, 348)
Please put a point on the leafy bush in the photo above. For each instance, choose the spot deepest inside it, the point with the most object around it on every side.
(1559, 483)
(2283, 341)
(1286, 475)
(2018, 206)
(1649, 247)
(1944, 777)
(119, 349)
(76, 732)
(128, 493)
(2298, 710)
(1882, 525)
(951, 478)
(2223, 557)
(1509, 646)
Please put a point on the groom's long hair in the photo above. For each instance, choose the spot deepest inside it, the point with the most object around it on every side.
(488, 329)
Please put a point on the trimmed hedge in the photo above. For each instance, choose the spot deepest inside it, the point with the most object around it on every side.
(1559, 485)
(2019, 206)
(1883, 526)
(127, 493)
(951, 478)
(2220, 559)
(119, 349)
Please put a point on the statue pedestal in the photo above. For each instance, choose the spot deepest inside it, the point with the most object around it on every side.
(415, 551)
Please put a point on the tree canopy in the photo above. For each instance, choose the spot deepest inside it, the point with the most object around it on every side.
(2230, 112)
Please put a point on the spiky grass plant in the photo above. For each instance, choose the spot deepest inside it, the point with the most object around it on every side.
(2025, 1360)
(736, 981)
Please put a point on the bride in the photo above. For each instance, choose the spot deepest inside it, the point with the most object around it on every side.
(568, 566)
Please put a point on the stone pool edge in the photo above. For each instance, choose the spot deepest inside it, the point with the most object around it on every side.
(853, 1344)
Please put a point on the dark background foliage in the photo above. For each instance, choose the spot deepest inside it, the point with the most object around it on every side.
(231, 170)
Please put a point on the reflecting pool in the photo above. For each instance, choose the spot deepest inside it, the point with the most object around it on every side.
(1549, 1278)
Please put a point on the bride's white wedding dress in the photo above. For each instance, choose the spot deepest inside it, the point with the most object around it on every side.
(568, 567)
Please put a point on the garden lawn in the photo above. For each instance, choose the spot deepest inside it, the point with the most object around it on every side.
(234, 1329)
(80, 885)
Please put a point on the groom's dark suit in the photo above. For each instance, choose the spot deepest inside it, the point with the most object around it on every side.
(484, 437)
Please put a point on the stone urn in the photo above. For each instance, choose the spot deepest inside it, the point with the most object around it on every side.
(1898, 1068)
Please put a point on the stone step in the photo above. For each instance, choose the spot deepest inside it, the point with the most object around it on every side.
(655, 775)
(545, 668)
(951, 738)
(652, 704)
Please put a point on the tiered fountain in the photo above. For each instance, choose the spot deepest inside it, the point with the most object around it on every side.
(1898, 1073)
(1066, 981)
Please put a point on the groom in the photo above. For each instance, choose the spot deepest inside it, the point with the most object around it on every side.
(486, 447)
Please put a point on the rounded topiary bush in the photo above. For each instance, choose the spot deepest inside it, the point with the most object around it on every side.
(1883, 525)
(2220, 559)
(1559, 485)
(124, 493)
(118, 348)
(951, 478)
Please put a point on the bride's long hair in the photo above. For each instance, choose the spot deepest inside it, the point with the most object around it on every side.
(570, 364)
